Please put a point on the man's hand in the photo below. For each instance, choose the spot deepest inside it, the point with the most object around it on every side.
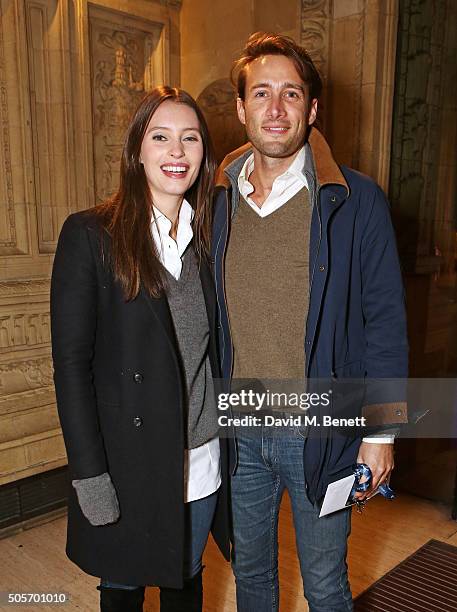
(380, 460)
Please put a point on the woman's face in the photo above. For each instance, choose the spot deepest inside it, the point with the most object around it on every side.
(172, 150)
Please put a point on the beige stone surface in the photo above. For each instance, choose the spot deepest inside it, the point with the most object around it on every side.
(213, 34)
(352, 42)
(50, 168)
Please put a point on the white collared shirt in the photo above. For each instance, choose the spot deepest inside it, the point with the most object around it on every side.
(284, 187)
(202, 472)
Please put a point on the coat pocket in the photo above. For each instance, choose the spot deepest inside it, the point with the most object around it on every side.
(349, 369)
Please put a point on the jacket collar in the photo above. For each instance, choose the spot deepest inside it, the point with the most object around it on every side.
(324, 167)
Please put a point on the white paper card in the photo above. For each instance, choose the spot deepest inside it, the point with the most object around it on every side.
(337, 495)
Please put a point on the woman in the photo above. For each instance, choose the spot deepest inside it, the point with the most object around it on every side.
(133, 319)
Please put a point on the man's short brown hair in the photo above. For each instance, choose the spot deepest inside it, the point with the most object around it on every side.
(264, 43)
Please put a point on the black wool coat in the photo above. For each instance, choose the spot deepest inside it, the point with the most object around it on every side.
(119, 392)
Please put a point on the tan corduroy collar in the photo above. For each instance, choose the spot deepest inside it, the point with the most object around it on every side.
(327, 170)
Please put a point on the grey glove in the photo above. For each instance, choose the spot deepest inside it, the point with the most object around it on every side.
(97, 499)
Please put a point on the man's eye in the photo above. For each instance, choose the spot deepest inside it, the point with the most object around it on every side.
(260, 94)
(292, 94)
(158, 137)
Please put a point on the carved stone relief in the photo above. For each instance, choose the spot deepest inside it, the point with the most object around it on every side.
(16, 184)
(417, 123)
(22, 330)
(175, 4)
(7, 225)
(315, 22)
(25, 289)
(54, 54)
(315, 37)
(217, 101)
(25, 375)
(24, 316)
(122, 71)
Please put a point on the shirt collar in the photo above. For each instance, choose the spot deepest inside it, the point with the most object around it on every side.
(161, 225)
(295, 170)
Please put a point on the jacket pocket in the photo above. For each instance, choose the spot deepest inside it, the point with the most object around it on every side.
(350, 369)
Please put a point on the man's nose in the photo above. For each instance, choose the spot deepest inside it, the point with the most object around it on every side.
(276, 107)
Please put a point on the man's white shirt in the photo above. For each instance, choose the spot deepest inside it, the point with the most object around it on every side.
(202, 471)
(284, 187)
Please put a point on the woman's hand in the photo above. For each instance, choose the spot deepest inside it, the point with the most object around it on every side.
(97, 499)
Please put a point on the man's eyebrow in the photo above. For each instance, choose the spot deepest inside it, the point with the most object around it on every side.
(287, 85)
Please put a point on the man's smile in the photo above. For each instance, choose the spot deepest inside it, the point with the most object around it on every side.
(275, 129)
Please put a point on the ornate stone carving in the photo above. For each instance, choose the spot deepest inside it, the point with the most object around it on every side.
(315, 19)
(21, 330)
(5, 157)
(356, 118)
(417, 124)
(175, 4)
(25, 375)
(217, 101)
(16, 288)
(25, 401)
(122, 72)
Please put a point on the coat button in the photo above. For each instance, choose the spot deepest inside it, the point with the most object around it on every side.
(322, 268)
(333, 199)
(137, 377)
(137, 421)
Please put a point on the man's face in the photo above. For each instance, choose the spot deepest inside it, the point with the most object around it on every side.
(276, 110)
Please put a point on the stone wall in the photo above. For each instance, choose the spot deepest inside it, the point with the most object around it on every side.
(213, 33)
(353, 43)
(71, 72)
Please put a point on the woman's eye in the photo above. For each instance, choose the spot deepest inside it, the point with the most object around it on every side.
(191, 138)
(158, 137)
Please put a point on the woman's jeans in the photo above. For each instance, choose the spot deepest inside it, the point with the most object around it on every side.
(270, 461)
(199, 517)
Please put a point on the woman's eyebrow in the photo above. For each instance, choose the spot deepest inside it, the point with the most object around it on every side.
(164, 127)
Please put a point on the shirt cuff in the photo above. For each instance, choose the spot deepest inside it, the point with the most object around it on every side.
(379, 440)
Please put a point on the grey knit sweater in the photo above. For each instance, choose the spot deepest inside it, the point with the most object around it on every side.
(188, 311)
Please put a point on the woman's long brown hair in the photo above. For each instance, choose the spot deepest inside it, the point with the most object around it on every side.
(127, 215)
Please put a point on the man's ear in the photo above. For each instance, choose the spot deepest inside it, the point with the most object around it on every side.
(312, 111)
(240, 110)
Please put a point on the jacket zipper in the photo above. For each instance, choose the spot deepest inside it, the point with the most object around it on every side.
(316, 199)
(223, 290)
(228, 321)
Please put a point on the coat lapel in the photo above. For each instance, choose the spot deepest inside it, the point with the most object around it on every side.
(161, 311)
(206, 279)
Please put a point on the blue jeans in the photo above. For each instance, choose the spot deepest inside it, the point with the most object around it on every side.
(199, 517)
(269, 462)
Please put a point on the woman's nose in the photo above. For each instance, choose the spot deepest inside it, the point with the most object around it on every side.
(177, 149)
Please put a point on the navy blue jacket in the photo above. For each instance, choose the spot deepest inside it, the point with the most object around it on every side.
(356, 325)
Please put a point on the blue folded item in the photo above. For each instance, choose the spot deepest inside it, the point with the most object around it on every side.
(362, 470)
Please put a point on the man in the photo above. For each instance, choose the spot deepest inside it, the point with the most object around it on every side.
(308, 284)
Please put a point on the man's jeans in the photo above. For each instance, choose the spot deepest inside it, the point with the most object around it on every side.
(199, 516)
(270, 461)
